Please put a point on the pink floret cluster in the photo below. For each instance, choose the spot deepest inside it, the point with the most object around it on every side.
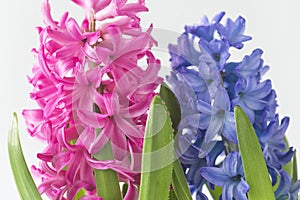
(93, 83)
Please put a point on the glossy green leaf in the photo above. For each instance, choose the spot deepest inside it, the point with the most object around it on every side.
(79, 194)
(158, 153)
(289, 166)
(216, 193)
(295, 168)
(172, 195)
(124, 189)
(276, 184)
(107, 182)
(179, 182)
(23, 179)
(255, 168)
(172, 104)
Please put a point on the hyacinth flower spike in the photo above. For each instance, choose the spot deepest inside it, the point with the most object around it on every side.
(91, 93)
(209, 84)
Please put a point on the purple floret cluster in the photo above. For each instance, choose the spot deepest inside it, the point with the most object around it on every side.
(208, 85)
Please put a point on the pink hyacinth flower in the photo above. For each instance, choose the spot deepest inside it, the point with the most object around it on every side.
(91, 90)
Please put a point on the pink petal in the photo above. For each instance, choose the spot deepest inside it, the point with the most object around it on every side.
(62, 38)
(74, 30)
(132, 192)
(92, 141)
(75, 188)
(61, 160)
(132, 9)
(95, 5)
(114, 165)
(92, 37)
(47, 15)
(119, 144)
(90, 197)
(92, 119)
(34, 120)
(137, 109)
(107, 12)
(111, 102)
(128, 128)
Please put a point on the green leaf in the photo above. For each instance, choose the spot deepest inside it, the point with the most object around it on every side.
(172, 195)
(255, 168)
(79, 194)
(107, 182)
(289, 166)
(216, 193)
(124, 189)
(295, 169)
(179, 182)
(158, 153)
(276, 184)
(25, 184)
(172, 104)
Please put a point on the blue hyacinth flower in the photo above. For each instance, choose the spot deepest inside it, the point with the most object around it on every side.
(217, 50)
(183, 54)
(220, 117)
(205, 31)
(208, 84)
(286, 189)
(234, 32)
(230, 177)
(250, 95)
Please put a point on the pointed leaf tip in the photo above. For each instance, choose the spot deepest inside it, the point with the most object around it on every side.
(158, 153)
(23, 179)
(172, 105)
(255, 168)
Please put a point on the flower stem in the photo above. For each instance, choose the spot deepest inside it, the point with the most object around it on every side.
(107, 182)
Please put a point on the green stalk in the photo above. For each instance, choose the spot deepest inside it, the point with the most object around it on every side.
(107, 182)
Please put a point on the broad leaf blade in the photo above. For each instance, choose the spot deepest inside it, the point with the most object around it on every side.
(179, 182)
(255, 168)
(172, 195)
(158, 154)
(172, 104)
(25, 184)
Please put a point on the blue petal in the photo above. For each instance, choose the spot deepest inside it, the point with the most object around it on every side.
(214, 175)
(222, 101)
(233, 32)
(213, 129)
(229, 130)
(294, 190)
(204, 107)
(284, 185)
(192, 120)
(227, 192)
(230, 164)
(218, 17)
(251, 65)
(214, 153)
(241, 189)
(201, 196)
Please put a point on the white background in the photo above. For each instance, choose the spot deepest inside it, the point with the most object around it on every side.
(273, 25)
